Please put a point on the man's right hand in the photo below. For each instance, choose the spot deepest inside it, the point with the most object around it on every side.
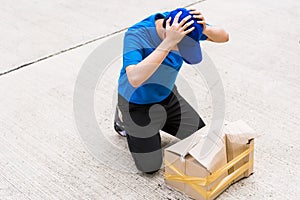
(176, 31)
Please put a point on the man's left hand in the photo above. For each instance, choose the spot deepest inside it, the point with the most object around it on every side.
(200, 18)
(214, 34)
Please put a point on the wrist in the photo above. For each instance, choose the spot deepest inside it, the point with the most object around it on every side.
(167, 45)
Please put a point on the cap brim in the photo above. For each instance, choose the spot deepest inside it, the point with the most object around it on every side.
(190, 50)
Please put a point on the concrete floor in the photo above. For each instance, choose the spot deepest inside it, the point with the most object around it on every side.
(42, 155)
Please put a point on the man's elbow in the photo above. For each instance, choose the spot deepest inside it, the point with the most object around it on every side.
(133, 79)
(134, 82)
(226, 37)
(223, 35)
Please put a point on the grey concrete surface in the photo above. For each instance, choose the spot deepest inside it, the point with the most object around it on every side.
(41, 154)
(31, 30)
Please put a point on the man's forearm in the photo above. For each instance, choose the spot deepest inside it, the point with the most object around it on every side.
(216, 34)
(138, 74)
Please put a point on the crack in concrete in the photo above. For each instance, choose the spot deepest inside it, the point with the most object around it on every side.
(62, 51)
(75, 47)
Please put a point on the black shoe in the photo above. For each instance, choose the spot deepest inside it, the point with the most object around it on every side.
(119, 128)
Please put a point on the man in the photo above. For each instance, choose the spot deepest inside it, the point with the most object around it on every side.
(148, 101)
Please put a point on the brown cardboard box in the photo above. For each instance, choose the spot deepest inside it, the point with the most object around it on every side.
(175, 161)
(234, 150)
(239, 137)
(201, 172)
(188, 165)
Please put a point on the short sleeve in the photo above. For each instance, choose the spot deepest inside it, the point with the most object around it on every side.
(203, 36)
(132, 50)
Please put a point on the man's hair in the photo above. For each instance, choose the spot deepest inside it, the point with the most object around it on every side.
(164, 22)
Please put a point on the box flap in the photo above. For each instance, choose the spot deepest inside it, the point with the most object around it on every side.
(184, 146)
(205, 148)
(239, 132)
(209, 152)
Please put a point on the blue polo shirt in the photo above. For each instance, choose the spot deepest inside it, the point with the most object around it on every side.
(140, 41)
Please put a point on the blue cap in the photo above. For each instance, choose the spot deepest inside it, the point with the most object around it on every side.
(189, 46)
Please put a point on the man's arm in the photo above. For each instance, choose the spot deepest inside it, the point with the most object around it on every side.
(214, 34)
(139, 73)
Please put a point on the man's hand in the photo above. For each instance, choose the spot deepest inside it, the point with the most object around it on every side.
(214, 34)
(176, 31)
(198, 15)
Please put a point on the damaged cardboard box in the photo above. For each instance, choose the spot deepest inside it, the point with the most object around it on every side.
(203, 168)
(187, 167)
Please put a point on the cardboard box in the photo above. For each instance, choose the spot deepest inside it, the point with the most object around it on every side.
(236, 149)
(187, 167)
(239, 138)
(203, 167)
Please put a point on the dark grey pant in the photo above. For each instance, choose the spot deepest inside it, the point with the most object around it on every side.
(142, 124)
